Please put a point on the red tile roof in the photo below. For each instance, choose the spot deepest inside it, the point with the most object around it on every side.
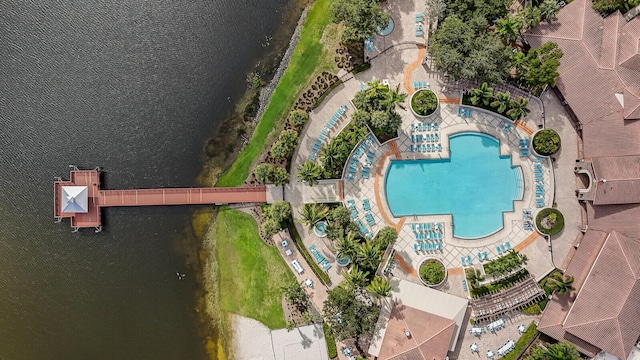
(430, 335)
(617, 180)
(607, 300)
(599, 75)
(622, 218)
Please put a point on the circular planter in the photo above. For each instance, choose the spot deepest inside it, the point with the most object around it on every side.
(547, 138)
(421, 97)
(343, 260)
(320, 229)
(542, 221)
(386, 31)
(430, 266)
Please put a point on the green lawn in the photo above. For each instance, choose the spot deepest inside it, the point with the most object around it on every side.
(251, 272)
(306, 60)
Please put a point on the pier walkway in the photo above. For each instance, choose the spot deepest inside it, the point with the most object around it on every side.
(81, 198)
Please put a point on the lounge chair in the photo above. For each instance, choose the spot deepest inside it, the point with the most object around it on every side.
(416, 247)
(469, 260)
(411, 148)
(413, 227)
(479, 256)
(464, 261)
(486, 256)
(499, 250)
(508, 245)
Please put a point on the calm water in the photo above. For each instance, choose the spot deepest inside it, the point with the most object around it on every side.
(476, 186)
(135, 87)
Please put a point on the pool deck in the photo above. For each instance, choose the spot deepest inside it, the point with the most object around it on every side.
(398, 60)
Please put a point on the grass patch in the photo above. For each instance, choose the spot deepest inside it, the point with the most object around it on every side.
(332, 350)
(303, 250)
(522, 343)
(557, 226)
(307, 59)
(251, 272)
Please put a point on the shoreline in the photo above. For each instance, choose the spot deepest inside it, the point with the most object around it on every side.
(217, 326)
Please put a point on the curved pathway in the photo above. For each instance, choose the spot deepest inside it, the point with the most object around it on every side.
(422, 50)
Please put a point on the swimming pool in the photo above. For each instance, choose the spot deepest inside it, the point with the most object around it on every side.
(476, 185)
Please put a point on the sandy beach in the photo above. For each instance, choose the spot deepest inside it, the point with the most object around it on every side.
(251, 339)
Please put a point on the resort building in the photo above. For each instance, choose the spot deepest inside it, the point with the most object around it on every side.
(418, 323)
(600, 81)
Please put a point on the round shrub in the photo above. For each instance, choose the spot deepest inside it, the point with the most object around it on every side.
(424, 102)
(297, 118)
(549, 221)
(546, 142)
(432, 272)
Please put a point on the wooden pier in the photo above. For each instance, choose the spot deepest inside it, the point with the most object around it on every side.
(81, 198)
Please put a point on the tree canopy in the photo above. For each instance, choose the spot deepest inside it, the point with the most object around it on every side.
(348, 316)
(487, 9)
(466, 51)
(361, 18)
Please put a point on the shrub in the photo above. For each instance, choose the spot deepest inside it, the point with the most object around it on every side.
(424, 102)
(267, 173)
(546, 142)
(332, 350)
(505, 264)
(532, 310)
(522, 343)
(297, 118)
(546, 225)
(504, 283)
(432, 272)
(284, 146)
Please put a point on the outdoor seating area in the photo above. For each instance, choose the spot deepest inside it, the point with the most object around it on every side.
(524, 147)
(356, 162)
(320, 259)
(539, 176)
(464, 112)
(505, 125)
(425, 138)
(503, 248)
(527, 219)
(324, 133)
(428, 236)
(482, 256)
(492, 306)
(419, 24)
(366, 206)
(417, 85)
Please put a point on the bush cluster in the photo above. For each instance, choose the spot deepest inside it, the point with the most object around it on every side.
(546, 142)
(268, 173)
(432, 272)
(424, 102)
(274, 218)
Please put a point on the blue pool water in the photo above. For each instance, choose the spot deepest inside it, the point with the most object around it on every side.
(476, 186)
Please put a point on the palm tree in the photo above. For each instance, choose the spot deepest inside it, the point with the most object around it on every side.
(331, 155)
(508, 28)
(393, 97)
(529, 17)
(295, 295)
(355, 278)
(518, 108)
(561, 284)
(482, 94)
(549, 9)
(368, 255)
(474, 277)
(312, 213)
(562, 351)
(502, 101)
(380, 287)
(309, 172)
(518, 60)
(347, 246)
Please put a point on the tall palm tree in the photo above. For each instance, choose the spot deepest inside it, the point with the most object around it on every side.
(502, 101)
(347, 246)
(482, 94)
(394, 97)
(309, 172)
(331, 155)
(368, 255)
(561, 284)
(518, 60)
(508, 28)
(355, 278)
(380, 287)
(312, 213)
(518, 108)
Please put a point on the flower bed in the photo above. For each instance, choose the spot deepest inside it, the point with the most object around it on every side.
(432, 272)
(549, 221)
(424, 102)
